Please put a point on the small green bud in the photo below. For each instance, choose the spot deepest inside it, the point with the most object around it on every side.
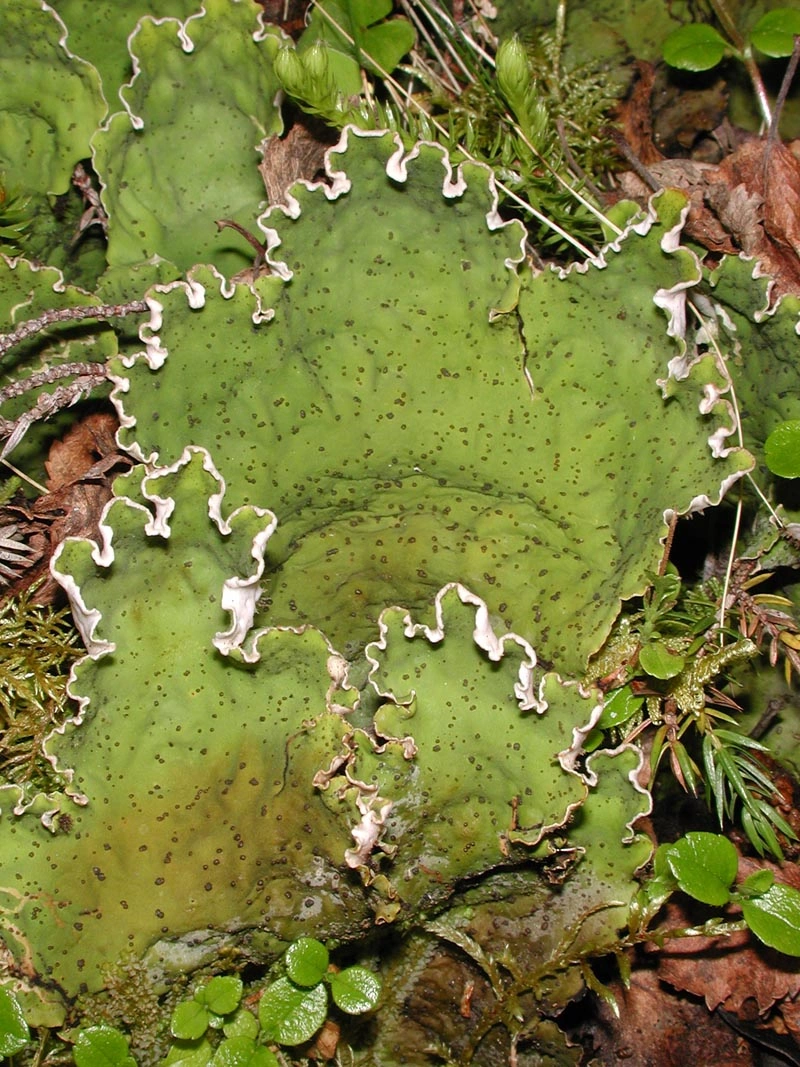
(513, 71)
(289, 71)
(315, 63)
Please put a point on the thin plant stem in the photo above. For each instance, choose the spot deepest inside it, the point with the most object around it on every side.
(52, 316)
(786, 85)
(743, 48)
(723, 369)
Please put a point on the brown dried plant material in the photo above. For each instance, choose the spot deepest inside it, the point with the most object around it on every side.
(80, 468)
(747, 202)
(285, 160)
(659, 1028)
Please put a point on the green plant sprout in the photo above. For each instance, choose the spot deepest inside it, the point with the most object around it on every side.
(704, 866)
(698, 46)
(659, 667)
(216, 1027)
(539, 126)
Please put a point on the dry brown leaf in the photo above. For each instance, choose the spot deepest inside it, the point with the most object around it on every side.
(285, 160)
(659, 1028)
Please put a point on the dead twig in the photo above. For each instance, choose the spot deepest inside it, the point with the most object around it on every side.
(52, 316)
(48, 404)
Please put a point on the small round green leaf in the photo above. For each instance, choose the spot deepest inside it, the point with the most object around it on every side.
(621, 705)
(189, 1054)
(696, 47)
(355, 990)
(306, 961)
(102, 1046)
(189, 1020)
(774, 33)
(291, 1015)
(656, 660)
(242, 1024)
(222, 994)
(704, 866)
(14, 1032)
(782, 449)
(774, 918)
(756, 884)
(243, 1052)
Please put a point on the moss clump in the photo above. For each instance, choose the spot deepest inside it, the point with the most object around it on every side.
(38, 645)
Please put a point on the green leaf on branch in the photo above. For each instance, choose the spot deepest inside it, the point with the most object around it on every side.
(222, 994)
(14, 1032)
(704, 866)
(189, 1021)
(243, 1052)
(355, 990)
(774, 917)
(656, 660)
(291, 1015)
(695, 47)
(620, 707)
(774, 33)
(782, 449)
(102, 1046)
(306, 961)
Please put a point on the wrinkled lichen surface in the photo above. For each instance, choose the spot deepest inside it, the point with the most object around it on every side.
(395, 488)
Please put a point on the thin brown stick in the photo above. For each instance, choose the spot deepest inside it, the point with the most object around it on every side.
(52, 316)
(52, 374)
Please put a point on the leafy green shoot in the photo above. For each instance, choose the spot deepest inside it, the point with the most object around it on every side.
(661, 668)
(514, 107)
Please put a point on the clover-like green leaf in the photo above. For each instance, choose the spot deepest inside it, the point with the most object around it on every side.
(704, 866)
(189, 1020)
(290, 1014)
(102, 1046)
(694, 47)
(658, 661)
(774, 33)
(306, 961)
(774, 917)
(14, 1031)
(243, 1052)
(782, 449)
(355, 990)
(222, 994)
(621, 706)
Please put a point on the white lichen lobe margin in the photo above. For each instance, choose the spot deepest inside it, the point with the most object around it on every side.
(337, 183)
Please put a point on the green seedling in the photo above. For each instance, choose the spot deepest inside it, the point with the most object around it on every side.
(213, 1027)
(660, 667)
(698, 46)
(705, 867)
